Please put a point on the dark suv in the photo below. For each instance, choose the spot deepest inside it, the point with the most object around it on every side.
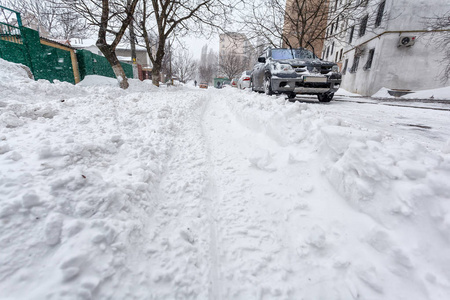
(295, 71)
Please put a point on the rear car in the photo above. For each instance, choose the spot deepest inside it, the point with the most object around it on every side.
(244, 80)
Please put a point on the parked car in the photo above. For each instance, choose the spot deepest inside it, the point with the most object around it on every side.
(203, 85)
(244, 80)
(234, 82)
(295, 71)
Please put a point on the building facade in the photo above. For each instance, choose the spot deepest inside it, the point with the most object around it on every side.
(305, 23)
(238, 45)
(386, 43)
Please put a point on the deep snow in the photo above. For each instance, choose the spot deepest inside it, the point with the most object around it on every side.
(183, 193)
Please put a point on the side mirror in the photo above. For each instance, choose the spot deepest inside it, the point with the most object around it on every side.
(261, 59)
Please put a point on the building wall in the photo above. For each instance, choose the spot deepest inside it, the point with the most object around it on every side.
(240, 45)
(410, 68)
(318, 23)
(141, 56)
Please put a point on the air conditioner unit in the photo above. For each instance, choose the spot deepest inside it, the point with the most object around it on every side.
(406, 41)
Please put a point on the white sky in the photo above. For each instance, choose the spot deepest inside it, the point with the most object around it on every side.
(195, 45)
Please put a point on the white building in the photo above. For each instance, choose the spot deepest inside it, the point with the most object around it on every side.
(386, 43)
(233, 43)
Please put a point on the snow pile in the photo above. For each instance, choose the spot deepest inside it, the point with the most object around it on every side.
(12, 72)
(93, 80)
(401, 186)
(382, 93)
(434, 94)
(79, 174)
(185, 193)
(342, 92)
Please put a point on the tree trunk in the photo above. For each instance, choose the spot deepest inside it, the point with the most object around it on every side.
(115, 64)
(156, 74)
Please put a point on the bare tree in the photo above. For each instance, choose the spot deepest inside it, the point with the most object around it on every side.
(49, 18)
(231, 64)
(160, 19)
(184, 66)
(112, 18)
(298, 23)
(163, 19)
(440, 26)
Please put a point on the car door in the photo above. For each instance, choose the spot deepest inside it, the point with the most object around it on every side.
(256, 75)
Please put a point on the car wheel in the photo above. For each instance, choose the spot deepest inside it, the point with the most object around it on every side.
(267, 86)
(291, 96)
(325, 97)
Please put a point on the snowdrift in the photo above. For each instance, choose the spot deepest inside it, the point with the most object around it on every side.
(80, 169)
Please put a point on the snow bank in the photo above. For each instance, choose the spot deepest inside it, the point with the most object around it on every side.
(382, 93)
(93, 80)
(434, 94)
(342, 92)
(400, 185)
(79, 173)
(83, 167)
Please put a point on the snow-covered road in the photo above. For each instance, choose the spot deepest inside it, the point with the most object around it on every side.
(182, 193)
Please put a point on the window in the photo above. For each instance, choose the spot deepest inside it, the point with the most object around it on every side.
(336, 58)
(355, 64)
(332, 48)
(328, 51)
(380, 14)
(368, 64)
(352, 30)
(344, 70)
(340, 55)
(362, 27)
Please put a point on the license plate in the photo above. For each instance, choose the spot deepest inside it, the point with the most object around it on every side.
(314, 79)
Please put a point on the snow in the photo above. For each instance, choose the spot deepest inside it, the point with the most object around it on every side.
(437, 94)
(186, 193)
(434, 94)
(343, 92)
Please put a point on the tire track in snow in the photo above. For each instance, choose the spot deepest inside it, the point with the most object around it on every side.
(215, 292)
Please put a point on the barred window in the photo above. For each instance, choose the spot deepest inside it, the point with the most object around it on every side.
(368, 64)
(344, 70)
(352, 30)
(362, 27)
(380, 14)
(355, 64)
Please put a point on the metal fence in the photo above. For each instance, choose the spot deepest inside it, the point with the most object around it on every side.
(48, 59)
(10, 33)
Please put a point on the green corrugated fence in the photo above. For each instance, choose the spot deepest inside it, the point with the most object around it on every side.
(50, 60)
(93, 64)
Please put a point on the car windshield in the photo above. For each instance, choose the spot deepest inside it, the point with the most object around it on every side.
(292, 53)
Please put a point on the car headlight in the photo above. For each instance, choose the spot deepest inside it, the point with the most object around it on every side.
(335, 68)
(285, 67)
